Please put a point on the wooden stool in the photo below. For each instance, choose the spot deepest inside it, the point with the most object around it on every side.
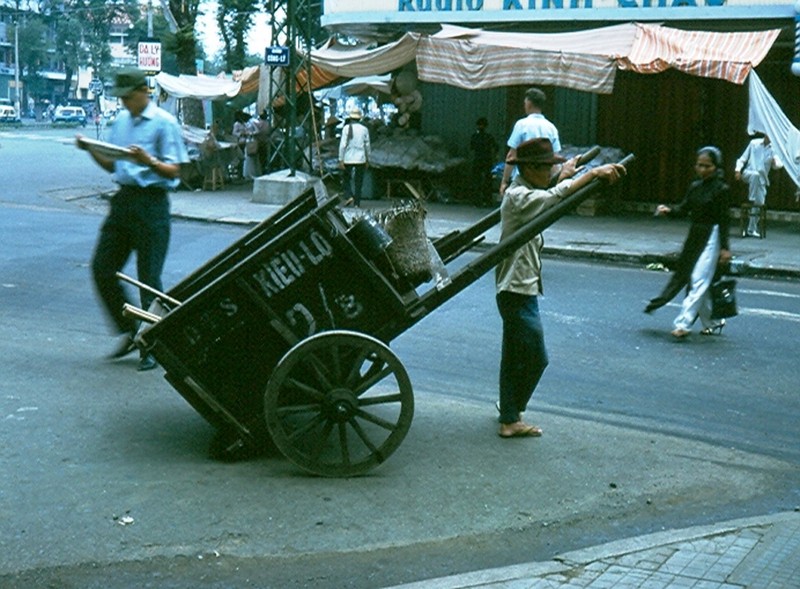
(214, 178)
(744, 219)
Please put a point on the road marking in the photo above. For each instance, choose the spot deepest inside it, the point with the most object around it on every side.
(32, 137)
(757, 312)
(771, 293)
(771, 314)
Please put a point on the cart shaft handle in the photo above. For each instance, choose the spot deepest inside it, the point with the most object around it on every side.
(142, 285)
(453, 244)
(131, 311)
(538, 224)
(489, 259)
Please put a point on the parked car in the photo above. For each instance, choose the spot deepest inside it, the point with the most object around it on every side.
(69, 114)
(8, 114)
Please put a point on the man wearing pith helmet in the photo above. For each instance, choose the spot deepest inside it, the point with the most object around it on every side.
(139, 218)
(354, 152)
(519, 276)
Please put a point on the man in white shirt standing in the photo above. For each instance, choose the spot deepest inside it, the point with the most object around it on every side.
(753, 168)
(354, 150)
(533, 126)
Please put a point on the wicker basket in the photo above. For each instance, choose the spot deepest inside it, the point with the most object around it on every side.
(408, 252)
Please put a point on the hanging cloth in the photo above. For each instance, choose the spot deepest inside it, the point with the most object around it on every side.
(765, 116)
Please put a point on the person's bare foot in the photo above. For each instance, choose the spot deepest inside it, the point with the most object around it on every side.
(519, 429)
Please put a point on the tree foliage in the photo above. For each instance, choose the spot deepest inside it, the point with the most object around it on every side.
(32, 54)
(182, 16)
(82, 31)
(235, 19)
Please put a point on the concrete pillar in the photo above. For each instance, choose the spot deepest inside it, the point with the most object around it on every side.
(281, 187)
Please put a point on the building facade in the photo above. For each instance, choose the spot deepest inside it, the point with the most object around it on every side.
(51, 76)
(662, 118)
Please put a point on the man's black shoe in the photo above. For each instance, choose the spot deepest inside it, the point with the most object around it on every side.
(147, 362)
(125, 347)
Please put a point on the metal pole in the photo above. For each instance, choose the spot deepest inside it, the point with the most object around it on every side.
(16, 64)
(150, 35)
(291, 88)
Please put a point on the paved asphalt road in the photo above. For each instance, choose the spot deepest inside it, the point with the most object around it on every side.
(642, 433)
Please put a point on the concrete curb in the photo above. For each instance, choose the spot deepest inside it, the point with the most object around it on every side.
(747, 269)
(750, 270)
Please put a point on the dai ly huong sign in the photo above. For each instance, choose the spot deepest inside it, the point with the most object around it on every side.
(149, 56)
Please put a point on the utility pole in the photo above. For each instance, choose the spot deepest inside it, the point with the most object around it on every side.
(16, 63)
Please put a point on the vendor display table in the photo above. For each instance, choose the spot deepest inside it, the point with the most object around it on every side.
(210, 159)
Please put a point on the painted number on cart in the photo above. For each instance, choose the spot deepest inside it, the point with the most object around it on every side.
(349, 305)
(346, 305)
(300, 313)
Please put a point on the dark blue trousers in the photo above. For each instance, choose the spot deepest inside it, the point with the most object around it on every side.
(524, 356)
(138, 222)
(354, 181)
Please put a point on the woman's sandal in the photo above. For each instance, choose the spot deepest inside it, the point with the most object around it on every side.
(715, 330)
(680, 333)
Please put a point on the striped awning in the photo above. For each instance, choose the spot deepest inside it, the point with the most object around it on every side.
(583, 60)
(476, 59)
(725, 56)
(478, 67)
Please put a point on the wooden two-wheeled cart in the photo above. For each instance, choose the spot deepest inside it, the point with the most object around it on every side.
(283, 337)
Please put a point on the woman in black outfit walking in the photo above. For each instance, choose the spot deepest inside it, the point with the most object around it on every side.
(706, 204)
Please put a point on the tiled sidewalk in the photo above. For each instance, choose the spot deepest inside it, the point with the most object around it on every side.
(755, 553)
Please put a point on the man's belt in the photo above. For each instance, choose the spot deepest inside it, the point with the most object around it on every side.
(135, 190)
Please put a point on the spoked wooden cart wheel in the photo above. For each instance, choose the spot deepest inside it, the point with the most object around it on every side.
(339, 403)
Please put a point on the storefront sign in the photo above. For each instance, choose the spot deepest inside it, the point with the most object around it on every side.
(343, 11)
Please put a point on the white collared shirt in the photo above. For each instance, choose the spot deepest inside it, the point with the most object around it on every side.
(158, 133)
(355, 149)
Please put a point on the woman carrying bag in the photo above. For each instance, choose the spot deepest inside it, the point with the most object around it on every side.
(706, 204)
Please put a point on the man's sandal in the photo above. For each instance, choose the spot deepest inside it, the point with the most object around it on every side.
(529, 431)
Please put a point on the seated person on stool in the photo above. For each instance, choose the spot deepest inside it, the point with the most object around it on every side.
(753, 168)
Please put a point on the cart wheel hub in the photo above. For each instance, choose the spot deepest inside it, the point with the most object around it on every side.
(342, 405)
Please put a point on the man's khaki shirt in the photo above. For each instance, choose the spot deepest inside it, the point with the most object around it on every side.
(521, 271)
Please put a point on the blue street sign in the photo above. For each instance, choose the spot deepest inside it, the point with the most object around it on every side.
(276, 56)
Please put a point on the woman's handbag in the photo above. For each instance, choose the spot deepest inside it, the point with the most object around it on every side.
(723, 298)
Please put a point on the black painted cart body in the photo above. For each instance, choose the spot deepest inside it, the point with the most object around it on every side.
(283, 337)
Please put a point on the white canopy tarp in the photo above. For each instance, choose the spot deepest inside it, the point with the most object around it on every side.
(357, 86)
(765, 116)
(201, 87)
(351, 61)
